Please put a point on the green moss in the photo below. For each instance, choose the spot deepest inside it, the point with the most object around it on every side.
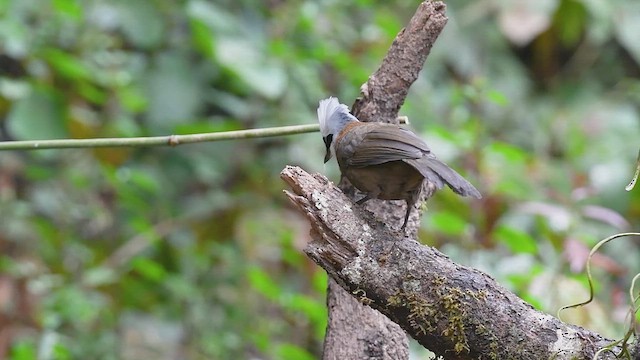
(425, 317)
(451, 310)
(395, 299)
(482, 331)
(452, 302)
(362, 296)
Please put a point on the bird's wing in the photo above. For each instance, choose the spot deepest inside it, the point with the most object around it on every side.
(383, 143)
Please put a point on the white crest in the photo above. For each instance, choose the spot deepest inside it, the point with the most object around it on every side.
(333, 116)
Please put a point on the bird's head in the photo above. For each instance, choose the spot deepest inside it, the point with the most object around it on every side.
(333, 117)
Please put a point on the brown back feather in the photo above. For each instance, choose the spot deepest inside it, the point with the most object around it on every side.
(383, 143)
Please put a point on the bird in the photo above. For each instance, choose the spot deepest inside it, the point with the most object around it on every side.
(384, 161)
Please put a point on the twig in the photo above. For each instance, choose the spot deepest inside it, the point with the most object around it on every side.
(170, 140)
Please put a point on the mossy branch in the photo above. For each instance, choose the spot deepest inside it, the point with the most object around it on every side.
(455, 311)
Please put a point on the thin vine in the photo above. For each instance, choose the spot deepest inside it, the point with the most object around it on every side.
(632, 310)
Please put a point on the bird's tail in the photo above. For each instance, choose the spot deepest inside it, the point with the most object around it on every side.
(440, 174)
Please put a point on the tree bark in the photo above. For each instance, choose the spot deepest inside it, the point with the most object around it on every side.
(360, 332)
(354, 331)
(455, 311)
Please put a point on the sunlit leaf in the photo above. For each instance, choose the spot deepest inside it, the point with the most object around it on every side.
(205, 126)
(133, 99)
(149, 269)
(497, 98)
(66, 64)
(23, 349)
(516, 240)
(92, 93)
(320, 281)
(202, 37)
(292, 352)
(312, 308)
(510, 153)
(70, 8)
(447, 222)
(262, 282)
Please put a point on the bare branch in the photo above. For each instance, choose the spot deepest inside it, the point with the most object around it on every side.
(170, 140)
(384, 93)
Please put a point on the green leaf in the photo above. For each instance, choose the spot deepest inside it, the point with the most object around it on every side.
(312, 308)
(149, 269)
(497, 97)
(40, 115)
(388, 22)
(516, 240)
(262, 282)
(133, 99)
(319, 281)
(292, 352)
(569, 20)
(448, 223)
(202, 38)
(510, 153)
(92, 92)
(61, 352)
(534, 301)
(66, 64)
(70, 8)
(218, 125)
(144, 180)
(23, 349)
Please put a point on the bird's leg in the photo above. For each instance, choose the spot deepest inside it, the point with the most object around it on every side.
(365, 198)
(415, 196)
(406, 216)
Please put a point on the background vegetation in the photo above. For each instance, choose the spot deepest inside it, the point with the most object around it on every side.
(193, 252)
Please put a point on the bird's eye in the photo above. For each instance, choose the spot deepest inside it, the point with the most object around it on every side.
(327, 140)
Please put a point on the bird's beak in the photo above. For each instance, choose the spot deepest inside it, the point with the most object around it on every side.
(327, 157)
(327, 142)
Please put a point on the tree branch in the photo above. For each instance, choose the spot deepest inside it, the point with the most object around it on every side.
(169, 140)
(455, 311)
(355, 331)
(384, 93)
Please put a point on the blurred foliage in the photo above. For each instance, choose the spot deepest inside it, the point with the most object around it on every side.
(194, 253)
